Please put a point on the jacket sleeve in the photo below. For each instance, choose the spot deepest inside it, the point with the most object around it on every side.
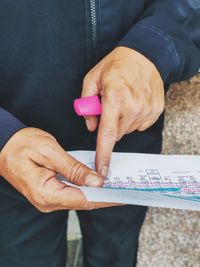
(168, 33)
(9, 125)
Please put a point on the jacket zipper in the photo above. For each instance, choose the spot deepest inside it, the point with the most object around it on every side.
(93, 20)
(94, 52)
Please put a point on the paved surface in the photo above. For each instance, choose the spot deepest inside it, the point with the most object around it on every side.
(169, 238)
(74, 242)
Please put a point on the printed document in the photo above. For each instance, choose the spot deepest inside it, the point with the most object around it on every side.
(169, 181)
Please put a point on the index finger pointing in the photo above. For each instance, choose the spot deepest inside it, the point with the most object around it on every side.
(107, 137)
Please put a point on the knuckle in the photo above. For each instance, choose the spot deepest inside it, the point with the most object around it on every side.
(115, 65)
(107, 86)
(158, 111)
(87, 205)
(86, 78)
(153, 110)
(135, 114)
(157, 114)
(129, 105)
(141, 129)
(137, 117)
(13, 158)
(40, 200)
(90, 206)
(7, 160)
(46, 151)
(139, 107)
(43, 209)
(105, 160)
(114, 95)
(115, 70)
(160, 104)
(76, 172)
(52, 138)
(120, 136)
(118, 97)
(110, 135)
(161, 109)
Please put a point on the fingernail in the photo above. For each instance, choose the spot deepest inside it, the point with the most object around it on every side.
(88, 124)
(93, 180)
(104, 171)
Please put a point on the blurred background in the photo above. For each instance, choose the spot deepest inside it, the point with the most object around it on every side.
(169, 238)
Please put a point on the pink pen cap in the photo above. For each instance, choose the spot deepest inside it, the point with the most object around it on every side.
(88, 106)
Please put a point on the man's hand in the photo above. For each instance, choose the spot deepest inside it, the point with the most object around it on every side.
(30, 161)
(132, 95)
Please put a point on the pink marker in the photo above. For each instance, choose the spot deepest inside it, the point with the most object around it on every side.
(88, 106)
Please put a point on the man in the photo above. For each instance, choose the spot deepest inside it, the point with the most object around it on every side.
(130, 50)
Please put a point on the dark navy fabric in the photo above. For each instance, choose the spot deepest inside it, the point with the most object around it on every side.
(9, 125)
(45, 51)
(168, 33)
(110, 236)
(29, 238)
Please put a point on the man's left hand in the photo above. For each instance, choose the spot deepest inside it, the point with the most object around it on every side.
(132, 96)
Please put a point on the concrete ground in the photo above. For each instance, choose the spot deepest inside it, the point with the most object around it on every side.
(169, 238)
(74, 242)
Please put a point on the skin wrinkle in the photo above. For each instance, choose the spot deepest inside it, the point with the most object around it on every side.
(75, 174)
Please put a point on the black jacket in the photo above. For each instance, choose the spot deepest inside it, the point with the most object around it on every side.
(46, 48)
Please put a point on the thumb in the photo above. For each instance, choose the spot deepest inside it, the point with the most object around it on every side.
(73, 170)
(90, 88)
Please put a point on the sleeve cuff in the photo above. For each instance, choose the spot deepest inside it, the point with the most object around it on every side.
(156, 45)
(9, 125)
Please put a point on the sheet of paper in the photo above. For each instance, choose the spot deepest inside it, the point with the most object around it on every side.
(170, 181)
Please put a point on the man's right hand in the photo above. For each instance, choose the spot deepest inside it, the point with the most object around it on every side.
(30, 161)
